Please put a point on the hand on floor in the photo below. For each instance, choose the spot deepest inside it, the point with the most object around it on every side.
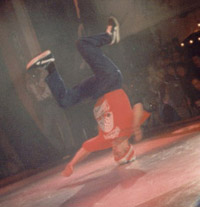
(67, 171)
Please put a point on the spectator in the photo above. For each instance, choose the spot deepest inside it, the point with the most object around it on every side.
(195, 95)
(185, 83)
(196, 64)
(171, 96)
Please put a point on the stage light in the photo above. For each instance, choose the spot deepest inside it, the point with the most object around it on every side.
(198, 24)
(191, 41)
(198, 38)
(182, 44)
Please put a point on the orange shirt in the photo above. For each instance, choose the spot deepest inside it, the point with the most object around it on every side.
(114, 115)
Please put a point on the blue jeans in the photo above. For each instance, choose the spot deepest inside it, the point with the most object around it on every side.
(107, 76)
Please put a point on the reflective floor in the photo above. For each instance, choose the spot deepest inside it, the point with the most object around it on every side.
(165, 174)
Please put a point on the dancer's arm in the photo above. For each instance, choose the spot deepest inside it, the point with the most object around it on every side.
(79, 156)
(137, 116)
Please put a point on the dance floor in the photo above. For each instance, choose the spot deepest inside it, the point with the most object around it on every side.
(165, 174)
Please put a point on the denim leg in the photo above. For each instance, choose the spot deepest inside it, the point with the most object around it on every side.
(108, 75)
(66, 97)
(89, 48)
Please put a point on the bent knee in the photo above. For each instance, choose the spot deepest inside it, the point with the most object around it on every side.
(80, 43)
(116, 79)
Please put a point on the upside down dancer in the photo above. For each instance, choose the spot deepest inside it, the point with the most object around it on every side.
(117, 120)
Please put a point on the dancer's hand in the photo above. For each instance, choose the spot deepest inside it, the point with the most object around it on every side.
(67, 171)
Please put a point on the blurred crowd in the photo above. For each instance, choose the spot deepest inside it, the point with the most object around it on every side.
(173, 79)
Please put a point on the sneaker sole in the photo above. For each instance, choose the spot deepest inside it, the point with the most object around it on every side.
(37, 58)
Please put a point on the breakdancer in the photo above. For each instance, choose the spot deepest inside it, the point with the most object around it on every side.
(112, 111)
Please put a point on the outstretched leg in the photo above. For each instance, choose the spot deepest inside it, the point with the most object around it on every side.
(107, 76)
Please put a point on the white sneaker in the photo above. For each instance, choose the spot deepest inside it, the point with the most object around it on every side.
(115, 30)
(40, 60)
